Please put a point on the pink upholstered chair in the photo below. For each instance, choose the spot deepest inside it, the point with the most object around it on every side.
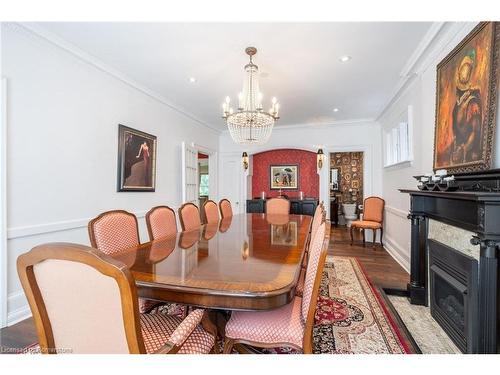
(318, 219)
(189, 216)
(210, 212)
(115, 231)
(91, 306)
(225, 208)
(278, 206)
(290, 325)
(161, 222)
(373, 218)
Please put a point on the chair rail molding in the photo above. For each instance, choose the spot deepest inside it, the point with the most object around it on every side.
(58, 226)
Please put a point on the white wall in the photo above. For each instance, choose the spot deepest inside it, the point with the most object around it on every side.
(356, 136)
(63, 116)
(420, 93)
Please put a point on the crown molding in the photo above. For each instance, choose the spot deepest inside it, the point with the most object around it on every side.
(411, 69)
(422, 47)
(102, 66)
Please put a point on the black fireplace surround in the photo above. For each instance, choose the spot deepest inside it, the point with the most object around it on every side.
(453, 294)
(475, 207)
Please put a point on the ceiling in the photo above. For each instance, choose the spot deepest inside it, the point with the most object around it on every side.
(298, 62)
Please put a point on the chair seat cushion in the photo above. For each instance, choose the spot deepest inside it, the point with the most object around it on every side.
(278, 327)
(157, 328)
(146, 305)
(366, 224)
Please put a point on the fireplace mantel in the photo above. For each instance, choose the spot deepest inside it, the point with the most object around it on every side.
(477, 212)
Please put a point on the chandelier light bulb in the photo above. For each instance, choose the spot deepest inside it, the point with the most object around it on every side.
(228, 99)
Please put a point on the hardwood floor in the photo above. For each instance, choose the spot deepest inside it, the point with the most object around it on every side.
(380, 267)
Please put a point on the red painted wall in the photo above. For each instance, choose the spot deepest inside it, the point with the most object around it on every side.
(308, 176)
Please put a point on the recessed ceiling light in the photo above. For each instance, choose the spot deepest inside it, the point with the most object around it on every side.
(335, 110)
(192, 79)
(344, 58)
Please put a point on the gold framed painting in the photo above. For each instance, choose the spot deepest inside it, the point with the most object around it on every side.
(466, 102)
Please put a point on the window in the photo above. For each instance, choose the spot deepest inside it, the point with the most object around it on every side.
(204, 185)
(398, 141)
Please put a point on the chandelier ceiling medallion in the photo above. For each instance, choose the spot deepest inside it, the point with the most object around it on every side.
(250, 124)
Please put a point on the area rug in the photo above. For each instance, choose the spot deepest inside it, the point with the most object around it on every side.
(351, 317)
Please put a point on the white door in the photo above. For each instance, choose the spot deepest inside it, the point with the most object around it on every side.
(231, 184)
(190, 190)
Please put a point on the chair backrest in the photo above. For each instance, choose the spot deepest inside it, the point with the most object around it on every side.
(114, 231)
(278, 206)
(314, 272)
(373, 209)
(225, 208)
(81, 299)
(189, 216)
(317, 219)
(161, 222)
(313, 264)
(210, 212)
(225, 224)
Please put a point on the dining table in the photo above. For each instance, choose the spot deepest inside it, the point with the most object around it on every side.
(245, 262)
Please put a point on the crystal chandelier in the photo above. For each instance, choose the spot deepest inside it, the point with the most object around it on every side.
(250, 124)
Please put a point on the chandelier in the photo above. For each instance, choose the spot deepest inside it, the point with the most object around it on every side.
(250, 124)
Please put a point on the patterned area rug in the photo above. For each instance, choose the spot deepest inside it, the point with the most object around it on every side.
(351, 317)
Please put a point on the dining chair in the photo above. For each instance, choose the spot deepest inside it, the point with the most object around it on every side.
(116, 231)
(318, 219)
(210, 212)
(290, 325)
(373, 218)
(225, 208)
(161, 222)
(85, 302)
(278, 206)
(189, 216)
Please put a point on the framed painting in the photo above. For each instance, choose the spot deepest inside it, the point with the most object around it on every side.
(284, 177)
(136, 160)
(466, 102)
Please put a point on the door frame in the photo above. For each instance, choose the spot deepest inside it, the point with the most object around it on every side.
(367, 151)
(213, 164)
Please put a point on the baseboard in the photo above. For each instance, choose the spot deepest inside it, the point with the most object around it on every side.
(397, 252)
(21, 309)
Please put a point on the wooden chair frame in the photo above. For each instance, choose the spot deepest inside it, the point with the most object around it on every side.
(373, 230)
(92, 223)
(148, 220)
(307, 342)
(220, 206)
(203, 214)
(179, 211)
(108, 267)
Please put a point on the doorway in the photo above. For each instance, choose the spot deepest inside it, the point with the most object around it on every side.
(203, 178)
(346, 186)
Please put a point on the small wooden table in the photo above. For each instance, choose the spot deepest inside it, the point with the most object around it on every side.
(247, 262)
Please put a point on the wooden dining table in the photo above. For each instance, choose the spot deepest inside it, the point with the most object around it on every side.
(245, 262)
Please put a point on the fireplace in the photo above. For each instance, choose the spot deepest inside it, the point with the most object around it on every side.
(453, 293)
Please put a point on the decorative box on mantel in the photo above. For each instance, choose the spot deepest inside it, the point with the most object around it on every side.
(459, 282)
